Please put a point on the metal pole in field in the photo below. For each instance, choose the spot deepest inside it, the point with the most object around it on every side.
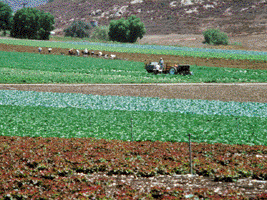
(190, 154)
(237, 124)
(132, 128)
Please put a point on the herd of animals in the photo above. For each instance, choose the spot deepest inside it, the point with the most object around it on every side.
(85, 52)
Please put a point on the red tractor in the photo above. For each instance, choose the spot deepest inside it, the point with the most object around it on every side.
(168, 68)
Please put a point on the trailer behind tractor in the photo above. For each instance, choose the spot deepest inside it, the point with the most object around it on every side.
(154, 67)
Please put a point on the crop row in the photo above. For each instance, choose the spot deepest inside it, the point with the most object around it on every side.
(34, 168)
(34, 68)
(191, 52)
(159, 47)
(40, 115)
(127, 103)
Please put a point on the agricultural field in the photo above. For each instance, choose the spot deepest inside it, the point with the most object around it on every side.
(110, 117)
(148, 49)
(110, 169)
(19, 67)
(73, 118)
(123, 147)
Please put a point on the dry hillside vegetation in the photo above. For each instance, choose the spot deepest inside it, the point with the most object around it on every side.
(167, 16)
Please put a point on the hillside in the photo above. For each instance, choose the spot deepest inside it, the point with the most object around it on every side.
(235, 17)
(166, 16)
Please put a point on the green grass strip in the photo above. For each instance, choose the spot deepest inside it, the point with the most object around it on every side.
(114, 124)
(35, 68)
(137, 50)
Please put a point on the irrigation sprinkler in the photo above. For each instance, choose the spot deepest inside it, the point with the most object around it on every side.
(190, 155)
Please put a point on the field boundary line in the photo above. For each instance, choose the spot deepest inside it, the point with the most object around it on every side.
(146, 84)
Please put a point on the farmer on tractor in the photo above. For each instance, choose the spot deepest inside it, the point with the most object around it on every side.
(161, 63)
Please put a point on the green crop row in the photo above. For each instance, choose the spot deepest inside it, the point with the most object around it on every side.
(126, 103)
(28, 113)
(35, 68)
(181, 52)
(37, 121)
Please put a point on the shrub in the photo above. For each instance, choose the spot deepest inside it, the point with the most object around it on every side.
(101, 33)
(78, 29)
(126, 30)
(215, 36)
(237, 43)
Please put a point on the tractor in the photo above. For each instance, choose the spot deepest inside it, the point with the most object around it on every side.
(154, 67)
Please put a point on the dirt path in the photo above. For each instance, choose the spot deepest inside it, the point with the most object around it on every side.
(211, 62)
(221, 92)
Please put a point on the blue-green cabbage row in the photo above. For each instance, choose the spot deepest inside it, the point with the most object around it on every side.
(159, 47)
(123, 103)
(181, 51)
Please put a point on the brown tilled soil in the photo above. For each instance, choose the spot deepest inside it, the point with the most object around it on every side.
(211, 62)
(244, 187)
(239, 93)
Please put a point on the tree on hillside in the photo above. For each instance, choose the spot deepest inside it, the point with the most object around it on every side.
(78, 29)
(101, 33)
(126, 30)
(215, 36)
(136, 29)
(47, 22)
(31, 23)
(118, 30)
(5, 17)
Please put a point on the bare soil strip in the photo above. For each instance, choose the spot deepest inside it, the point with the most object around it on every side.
(221, 92)
(210, 62)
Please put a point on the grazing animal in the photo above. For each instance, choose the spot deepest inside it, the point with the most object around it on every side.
(112, 56)
(106, 56)
(49, 50)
